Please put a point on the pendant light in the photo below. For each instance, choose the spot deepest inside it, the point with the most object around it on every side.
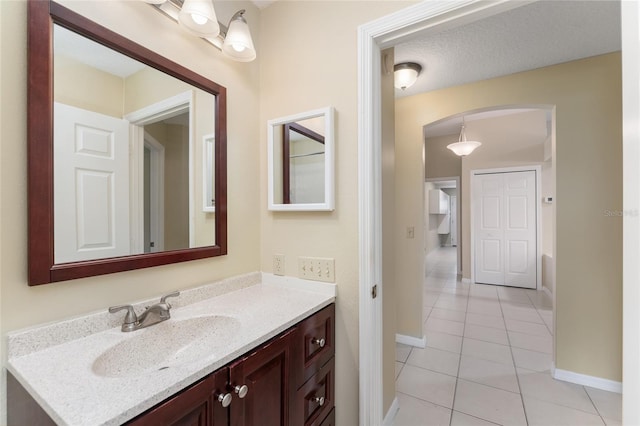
(463, 146)
(237, 42)
(199, 18)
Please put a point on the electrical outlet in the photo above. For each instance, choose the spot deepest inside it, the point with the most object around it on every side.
(278, 264)
(317, 269)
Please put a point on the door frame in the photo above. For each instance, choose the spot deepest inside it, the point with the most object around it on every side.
(166, 108)
(387, 31)
(472, 203)
(373, 37)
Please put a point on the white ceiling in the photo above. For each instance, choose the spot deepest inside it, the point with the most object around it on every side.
(532, 36)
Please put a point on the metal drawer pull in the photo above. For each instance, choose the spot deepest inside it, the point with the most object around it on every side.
(319, 400)
(225, 399)
(241, 390)
(319, 342)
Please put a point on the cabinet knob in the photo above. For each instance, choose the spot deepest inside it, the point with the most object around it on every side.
(319, 400)
(241, 390)
(225, 399)
(319, 342)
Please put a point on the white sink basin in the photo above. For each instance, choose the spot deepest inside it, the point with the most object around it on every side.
(165, 345)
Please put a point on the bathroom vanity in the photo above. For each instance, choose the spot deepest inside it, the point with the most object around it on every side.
(255, 350)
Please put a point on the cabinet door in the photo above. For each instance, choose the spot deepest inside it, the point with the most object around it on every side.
(195, 406)
(266, 374)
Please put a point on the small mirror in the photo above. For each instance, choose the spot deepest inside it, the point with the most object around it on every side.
(301, 164)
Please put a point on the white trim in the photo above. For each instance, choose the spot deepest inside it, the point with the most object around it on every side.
(416, 342)
(466, 280)
(329, 164)
(382, 33)
(630, 22)
(166, 108)
(391, 413)
(584, 380)
(538, 171)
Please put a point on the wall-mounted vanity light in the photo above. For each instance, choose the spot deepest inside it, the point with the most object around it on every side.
(405, 74)
(199, 18)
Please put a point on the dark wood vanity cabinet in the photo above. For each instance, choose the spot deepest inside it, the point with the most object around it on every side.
(289, 380)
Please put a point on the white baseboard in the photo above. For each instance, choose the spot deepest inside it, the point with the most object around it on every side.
(466, 280)
(584, 380)
(391, 414)
(412, 341)
(548, 292)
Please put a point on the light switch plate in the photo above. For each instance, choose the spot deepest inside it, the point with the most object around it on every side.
(317, 269)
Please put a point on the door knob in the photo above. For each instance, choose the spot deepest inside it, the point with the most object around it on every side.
(320, 400)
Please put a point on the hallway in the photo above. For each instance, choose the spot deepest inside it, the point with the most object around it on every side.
(488, 359)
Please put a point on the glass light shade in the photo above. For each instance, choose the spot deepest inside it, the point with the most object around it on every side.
(405, 74)
(199, 18)
(154, 1)
(238, 43)
(464, 147)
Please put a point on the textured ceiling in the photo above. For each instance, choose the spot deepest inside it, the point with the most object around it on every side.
(535, 35)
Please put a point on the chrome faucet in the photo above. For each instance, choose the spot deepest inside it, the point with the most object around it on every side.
(152, 315)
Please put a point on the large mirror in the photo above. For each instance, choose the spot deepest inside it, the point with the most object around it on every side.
(301, 163)
(127, 153)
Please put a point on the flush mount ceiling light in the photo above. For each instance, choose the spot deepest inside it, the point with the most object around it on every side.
(199, 18)
(463, 146)
(405, 74)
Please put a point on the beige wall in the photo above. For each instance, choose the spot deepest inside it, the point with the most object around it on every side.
(309, 60)
(22, 305)
(588, 165)
(440, 161)
(85, 87)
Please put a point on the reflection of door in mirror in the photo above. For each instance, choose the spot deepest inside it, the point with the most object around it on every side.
(303, 162)
(125, 176)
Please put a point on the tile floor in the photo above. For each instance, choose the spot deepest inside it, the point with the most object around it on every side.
(488, 359)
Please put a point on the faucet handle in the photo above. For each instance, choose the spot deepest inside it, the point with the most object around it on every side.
(129, 320)
(164, 298)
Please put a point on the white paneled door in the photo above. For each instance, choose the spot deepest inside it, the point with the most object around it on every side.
(505, 228)
(91, 185)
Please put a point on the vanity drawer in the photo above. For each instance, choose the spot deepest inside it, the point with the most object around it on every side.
(315, 343)
(315, 399)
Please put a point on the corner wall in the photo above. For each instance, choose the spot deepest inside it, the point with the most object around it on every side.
(588, 165)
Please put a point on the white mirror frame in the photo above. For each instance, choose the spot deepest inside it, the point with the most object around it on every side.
(329, 147)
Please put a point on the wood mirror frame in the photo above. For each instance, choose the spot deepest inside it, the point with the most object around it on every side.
(42, 267)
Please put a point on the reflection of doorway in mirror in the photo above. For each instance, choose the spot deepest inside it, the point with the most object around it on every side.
(153, 195)
(173, 135)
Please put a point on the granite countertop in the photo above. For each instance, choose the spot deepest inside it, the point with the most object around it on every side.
(61, 372)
